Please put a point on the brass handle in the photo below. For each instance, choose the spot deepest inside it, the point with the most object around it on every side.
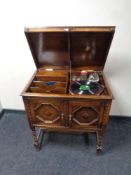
(62, 116)
(70, 117)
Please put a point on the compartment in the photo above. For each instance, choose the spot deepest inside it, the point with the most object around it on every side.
(76, 77)
(47, 90)
(43, 83)
(54, 81)
(52, 75)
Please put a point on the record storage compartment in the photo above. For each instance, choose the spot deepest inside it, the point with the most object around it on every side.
(48, 102)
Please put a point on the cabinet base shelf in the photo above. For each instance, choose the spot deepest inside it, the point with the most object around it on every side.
(38, 138)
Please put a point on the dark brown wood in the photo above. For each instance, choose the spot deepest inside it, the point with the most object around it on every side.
(59, 52)
(49, 48)
(89, 48)
(85, 46)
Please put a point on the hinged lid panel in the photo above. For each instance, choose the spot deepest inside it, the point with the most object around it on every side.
(49, 48)
(57, 46)
(90, 49)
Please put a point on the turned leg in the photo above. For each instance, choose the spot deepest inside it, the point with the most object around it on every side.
(99, 140)
(37, 138)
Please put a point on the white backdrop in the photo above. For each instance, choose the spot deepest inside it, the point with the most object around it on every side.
(16, 63)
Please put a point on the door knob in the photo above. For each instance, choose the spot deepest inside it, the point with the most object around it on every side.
(62, 116)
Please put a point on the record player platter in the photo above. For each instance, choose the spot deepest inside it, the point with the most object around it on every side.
(80, 87)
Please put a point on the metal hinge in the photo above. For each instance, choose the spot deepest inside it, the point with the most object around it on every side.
(66, 29)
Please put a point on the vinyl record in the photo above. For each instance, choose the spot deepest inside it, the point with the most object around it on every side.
(82, 88)
(96, 88)
(75, 87)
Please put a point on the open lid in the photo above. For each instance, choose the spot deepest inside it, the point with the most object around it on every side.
(83, 46)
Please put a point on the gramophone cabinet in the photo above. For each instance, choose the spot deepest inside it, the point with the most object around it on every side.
(59, 53)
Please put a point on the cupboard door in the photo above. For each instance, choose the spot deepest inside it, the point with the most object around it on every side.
(84, 114)
(47, 112)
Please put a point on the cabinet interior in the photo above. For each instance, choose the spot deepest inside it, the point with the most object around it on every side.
(57, 80)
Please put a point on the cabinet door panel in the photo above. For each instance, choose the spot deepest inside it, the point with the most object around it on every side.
(85, 113)
(47, 112)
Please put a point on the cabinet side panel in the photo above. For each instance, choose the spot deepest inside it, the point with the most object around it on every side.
(28, 111)
(105, 117)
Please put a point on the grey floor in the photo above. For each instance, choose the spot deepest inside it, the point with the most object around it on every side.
(63, 154)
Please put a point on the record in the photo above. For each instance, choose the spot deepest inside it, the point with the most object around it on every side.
(82, 88)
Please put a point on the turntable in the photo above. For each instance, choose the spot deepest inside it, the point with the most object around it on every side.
(86, 84)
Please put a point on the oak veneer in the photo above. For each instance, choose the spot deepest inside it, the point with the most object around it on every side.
(63, 49)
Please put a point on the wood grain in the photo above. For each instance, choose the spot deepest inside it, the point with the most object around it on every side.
(51, 110)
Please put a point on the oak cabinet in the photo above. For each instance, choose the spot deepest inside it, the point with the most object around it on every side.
(60, 53)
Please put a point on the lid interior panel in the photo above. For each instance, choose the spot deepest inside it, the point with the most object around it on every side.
(77, 46)
(49, 48)
(89, 49)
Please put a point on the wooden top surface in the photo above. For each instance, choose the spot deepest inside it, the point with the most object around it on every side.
(71, 28)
